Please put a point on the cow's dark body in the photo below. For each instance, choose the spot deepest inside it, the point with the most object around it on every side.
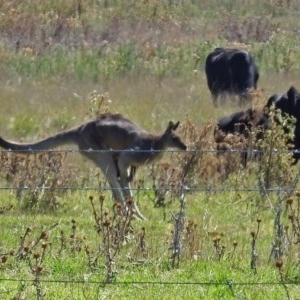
(241, 123)
(289, 103)
(231, 71)
(244, 121)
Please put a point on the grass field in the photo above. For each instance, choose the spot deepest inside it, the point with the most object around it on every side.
(65, 61)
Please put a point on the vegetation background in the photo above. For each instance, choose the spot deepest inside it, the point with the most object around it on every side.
(236, 235)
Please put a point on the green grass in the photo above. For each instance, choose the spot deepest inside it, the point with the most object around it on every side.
(145, 60)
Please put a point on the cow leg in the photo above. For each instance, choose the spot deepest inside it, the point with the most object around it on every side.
(215, 100)
(243, 99)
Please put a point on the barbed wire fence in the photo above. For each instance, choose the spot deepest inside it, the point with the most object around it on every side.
(227, 283)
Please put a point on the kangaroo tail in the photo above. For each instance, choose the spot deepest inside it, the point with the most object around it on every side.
(62, 138)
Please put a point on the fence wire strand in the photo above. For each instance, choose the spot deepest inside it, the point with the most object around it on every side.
(137, 150)
(90, 188)
(225, 283)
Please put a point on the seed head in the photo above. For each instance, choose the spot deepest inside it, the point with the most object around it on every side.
(129, 202)
(289, 201)
(44, 235)
(106, 223)
(28, 230)
(117, 205)
(39, 270)
(216, 239)
(279, 263)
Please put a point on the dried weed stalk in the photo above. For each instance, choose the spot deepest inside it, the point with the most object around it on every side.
(39, 180)
(279, 242)
(292, 231)
(177, 243)
(33, 251)
(97, 103)
(188, 175)
(114, 230)
(275, 161)
(192, 240)
(254, 254)
(72, 241)
(279, 266)
(141, 249)
(219, 248)
(187, 170)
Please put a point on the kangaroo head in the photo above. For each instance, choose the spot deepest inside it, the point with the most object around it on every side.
(172, 140)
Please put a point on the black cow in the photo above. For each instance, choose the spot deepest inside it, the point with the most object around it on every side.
(241, 124)
(289, 103)
(231, 71)
(244, 121)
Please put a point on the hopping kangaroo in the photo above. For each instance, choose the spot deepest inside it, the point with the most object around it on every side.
(127, 145)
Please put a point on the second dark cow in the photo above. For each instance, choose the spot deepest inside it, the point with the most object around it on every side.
(243, 122)
(289, 103)
(240, 125)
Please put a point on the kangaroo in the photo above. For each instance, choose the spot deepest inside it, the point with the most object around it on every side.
(126, 146)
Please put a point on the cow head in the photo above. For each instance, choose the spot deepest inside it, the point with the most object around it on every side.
(243, 122)
(288, 102)
(233, 131)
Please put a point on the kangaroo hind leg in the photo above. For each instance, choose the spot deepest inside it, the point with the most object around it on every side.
(131, 172)
(108, 166)
(125, 183)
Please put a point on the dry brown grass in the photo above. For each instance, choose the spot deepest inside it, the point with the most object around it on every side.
(38, 180)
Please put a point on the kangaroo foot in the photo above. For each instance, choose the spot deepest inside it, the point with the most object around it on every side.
(131, 206)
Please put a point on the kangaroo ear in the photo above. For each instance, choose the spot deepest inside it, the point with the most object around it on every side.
(172, 126)
(175, 125)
